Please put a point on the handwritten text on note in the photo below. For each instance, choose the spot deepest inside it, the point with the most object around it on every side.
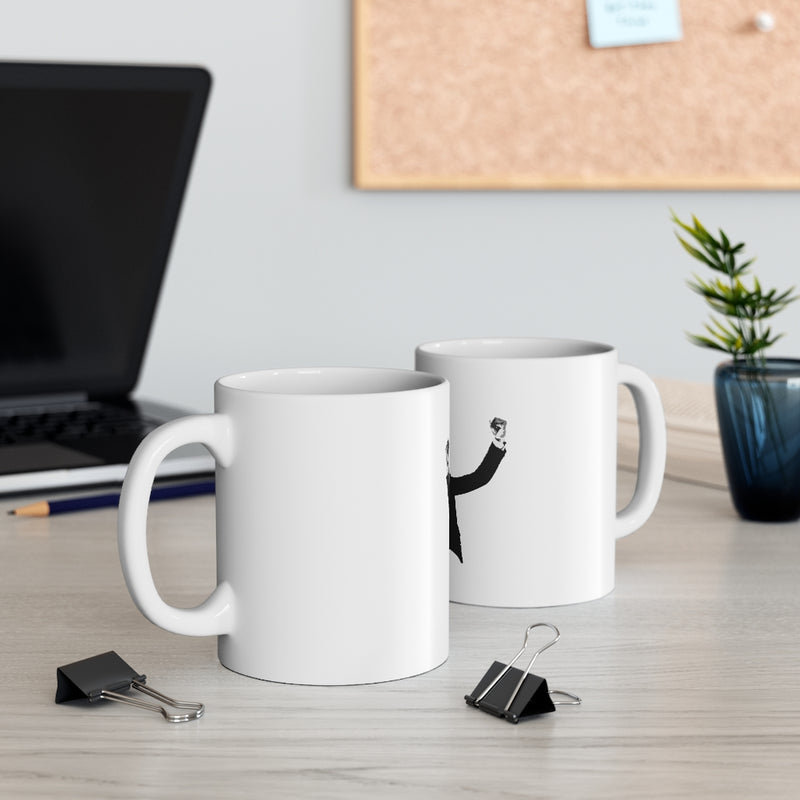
(614, 23)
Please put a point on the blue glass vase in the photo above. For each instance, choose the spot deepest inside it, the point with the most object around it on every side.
(759, 424)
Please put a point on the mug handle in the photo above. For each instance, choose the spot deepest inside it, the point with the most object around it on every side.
(216, 615)
(652, 450)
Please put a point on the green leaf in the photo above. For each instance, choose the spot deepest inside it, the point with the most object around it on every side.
(695, 253)
(703, 235)
(743, 267)
(702, 341)
(698, 233)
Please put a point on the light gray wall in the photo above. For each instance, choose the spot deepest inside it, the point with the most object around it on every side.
(280, 262)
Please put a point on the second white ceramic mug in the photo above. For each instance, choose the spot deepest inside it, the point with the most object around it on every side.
(331, 524)
(532, 469)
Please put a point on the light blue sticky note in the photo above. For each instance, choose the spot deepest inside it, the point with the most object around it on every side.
(614, 23)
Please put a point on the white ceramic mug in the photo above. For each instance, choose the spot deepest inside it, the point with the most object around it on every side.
(331, 522)
(533, 464)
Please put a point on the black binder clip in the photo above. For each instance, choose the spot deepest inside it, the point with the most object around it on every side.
(512, 694)
(103, 677)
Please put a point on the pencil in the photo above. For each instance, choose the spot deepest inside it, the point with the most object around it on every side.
(46, 508)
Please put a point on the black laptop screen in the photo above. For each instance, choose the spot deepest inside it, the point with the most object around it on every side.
(93, 166)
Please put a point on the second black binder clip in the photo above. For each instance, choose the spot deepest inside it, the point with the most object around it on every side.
(512, 694)
(105, 676)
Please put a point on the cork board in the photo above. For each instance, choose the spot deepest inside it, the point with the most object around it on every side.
(509, 94)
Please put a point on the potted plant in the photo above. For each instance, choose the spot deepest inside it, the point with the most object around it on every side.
(757, 397)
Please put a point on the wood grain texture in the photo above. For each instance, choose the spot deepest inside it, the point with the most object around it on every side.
(689, 673)
(466, 94)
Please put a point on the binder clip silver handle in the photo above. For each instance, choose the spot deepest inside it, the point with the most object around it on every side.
(574, 700)
(193, 710)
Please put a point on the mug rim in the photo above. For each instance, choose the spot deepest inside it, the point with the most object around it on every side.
(514, 348)
(334, 381)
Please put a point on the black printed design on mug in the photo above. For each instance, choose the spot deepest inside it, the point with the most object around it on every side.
(474, 480)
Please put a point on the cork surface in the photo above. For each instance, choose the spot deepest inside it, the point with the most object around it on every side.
(510, 94)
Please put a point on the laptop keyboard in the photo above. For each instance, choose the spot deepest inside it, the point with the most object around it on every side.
(80, 422)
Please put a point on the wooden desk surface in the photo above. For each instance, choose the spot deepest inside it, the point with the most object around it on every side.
(689, 674)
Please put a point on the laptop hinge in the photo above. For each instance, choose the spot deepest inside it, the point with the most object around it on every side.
(44, 401)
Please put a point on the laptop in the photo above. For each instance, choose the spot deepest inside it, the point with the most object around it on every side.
(94, 161)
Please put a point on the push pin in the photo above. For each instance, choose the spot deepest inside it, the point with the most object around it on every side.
(103, 677)
(512, 694)
(764, 22)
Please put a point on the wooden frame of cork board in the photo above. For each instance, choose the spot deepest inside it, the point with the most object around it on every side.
(509, 94)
